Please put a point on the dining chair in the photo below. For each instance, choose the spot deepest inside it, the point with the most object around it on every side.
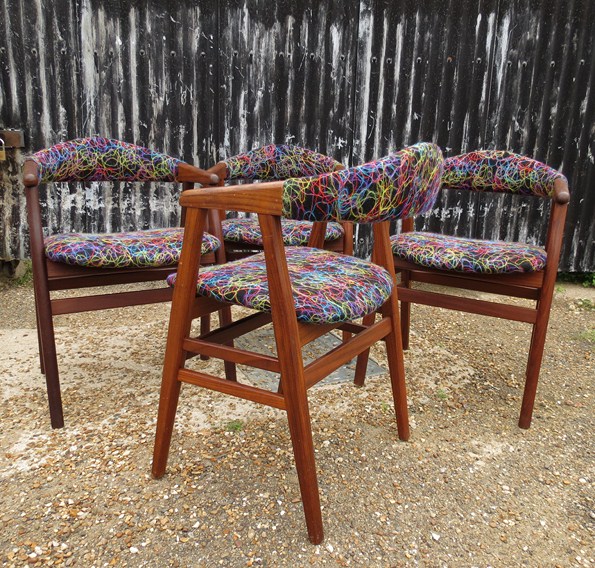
(73, 261)
(306, 292)
(242, 235)
(507, 269)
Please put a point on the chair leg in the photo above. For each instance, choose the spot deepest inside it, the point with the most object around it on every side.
(49, 360)
(168, 405)
(205, 327)
(230, 366)
(396, 366)
(361, 364)
(534, 364)
(298, 417)
(405, 311)
(39, 343)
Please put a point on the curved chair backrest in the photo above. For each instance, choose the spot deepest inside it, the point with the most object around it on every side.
(501, 172)
(103, 159)
(278, 161)
(400, 185)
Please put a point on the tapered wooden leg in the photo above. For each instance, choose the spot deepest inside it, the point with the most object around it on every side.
(205, 327)
(39, 343)
(298, 417)
(534, 366)
(289, 352)
(405, 311)
(47, 344)
(361, 364)
(393, 341)
(230, 367)
(396, 365)
(168, 404)
(179, 328)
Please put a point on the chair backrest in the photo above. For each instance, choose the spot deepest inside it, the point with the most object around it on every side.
(278, 161)
(103, 159)
(500, 172)
(400, 185)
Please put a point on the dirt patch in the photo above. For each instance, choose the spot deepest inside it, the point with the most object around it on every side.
(469, 489)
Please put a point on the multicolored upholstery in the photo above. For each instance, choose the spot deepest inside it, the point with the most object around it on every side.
(278, 161)
(295, 233)
(499, 171)
(103, 159)
(400, 185)
(443, 252)
(327, 287)
(151, 248)
(483, 170)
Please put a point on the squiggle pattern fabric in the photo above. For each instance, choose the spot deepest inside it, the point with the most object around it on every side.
(499, 171)
(151, 248)
(294, 233)
(278, 161)
(398, 186)
(103, 159)
(327, 287)
(467, 255)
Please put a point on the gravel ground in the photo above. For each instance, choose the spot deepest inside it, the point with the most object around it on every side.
(469, 489)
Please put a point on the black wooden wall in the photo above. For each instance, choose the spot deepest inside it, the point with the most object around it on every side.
(205, 79)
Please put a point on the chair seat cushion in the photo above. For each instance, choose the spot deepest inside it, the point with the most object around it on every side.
(295, 233)
(444, 252)
(327, 287)
(151, 248)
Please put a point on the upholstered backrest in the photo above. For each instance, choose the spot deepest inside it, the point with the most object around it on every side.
(103, 159)
(499, 171)
(400, 185)
(278, 161)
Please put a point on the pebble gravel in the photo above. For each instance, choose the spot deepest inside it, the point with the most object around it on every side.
(469, 489)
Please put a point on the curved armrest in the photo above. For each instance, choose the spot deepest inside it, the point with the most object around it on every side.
(265, 198)
(190, 173)
(186, 173)
(561, 192)
(30, 173)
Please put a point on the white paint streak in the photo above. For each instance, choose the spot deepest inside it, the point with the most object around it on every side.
(396, 82)
(43, 70)
(89, 21)
(132, 49)
(501, 55)
(15, 99)
(381, 78)
(363, 95)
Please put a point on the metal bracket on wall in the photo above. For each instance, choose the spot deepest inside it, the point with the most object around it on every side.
(13, 138)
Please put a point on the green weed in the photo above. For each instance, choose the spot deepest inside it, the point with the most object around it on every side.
(235, 426)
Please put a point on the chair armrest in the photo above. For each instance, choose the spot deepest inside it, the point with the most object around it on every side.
(30, 173)
(219, 169)
(264, 198)
(189, 173)
(561, 192)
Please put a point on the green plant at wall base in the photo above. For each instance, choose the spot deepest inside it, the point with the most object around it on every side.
(587, 279)
(235, 426)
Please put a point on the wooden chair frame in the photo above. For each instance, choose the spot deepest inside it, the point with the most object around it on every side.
(536, 286)
(49, 276)
(265, 200)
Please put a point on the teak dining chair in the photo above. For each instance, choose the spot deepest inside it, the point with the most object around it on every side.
(76, 260)
(305, 291)
(242, 236)
(509, 269)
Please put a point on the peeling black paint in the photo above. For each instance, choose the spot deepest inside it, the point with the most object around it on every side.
(205, 79)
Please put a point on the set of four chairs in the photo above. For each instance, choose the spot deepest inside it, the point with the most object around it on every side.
(291, 263)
